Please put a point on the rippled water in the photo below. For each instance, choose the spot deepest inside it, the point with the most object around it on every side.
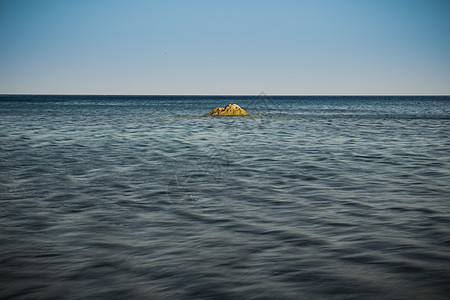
(143, 198)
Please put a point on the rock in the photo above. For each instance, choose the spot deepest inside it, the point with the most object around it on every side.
(229, 110)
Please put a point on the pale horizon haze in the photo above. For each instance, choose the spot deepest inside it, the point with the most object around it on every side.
(373, 47)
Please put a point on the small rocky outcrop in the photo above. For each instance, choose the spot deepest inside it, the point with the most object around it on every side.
(229, 110)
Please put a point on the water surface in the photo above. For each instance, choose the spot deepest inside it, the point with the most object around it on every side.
(142, 197)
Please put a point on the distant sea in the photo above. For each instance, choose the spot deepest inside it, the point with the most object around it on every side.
(142, 197)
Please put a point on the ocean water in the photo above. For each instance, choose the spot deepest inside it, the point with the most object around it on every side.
(141, 197)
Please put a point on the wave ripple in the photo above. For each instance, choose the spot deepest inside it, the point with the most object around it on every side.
(140, 197)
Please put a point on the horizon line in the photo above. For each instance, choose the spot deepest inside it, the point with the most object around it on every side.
(227, 95)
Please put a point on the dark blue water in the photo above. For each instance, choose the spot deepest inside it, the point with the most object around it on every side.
(116, 197)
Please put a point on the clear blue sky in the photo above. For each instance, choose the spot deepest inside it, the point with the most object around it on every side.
(225, 47)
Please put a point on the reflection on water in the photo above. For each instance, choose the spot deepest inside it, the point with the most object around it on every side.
(341, 198)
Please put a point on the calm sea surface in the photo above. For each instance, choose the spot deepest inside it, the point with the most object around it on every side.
(113, 197)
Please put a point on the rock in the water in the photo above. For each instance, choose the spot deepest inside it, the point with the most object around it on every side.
(229, 110)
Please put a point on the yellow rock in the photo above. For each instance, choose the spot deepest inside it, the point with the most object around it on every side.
(229, 110)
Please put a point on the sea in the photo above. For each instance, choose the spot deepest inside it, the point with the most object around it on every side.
(143, 197)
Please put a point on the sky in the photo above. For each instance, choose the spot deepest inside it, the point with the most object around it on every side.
(152, 47)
